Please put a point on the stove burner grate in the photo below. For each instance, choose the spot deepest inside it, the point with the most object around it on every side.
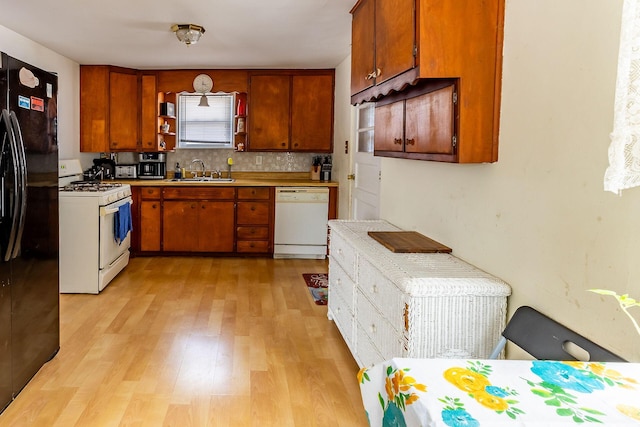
(94, 186)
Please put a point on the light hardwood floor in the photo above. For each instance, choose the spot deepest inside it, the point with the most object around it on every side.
(196, 342)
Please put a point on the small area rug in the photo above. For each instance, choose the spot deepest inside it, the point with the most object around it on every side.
(318, 284)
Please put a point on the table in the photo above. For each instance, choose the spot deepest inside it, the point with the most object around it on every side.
(493, 393)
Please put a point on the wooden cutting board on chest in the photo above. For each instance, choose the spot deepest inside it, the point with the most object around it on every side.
(408, 242)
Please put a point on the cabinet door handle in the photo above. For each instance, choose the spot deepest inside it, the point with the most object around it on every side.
(397, 141)
(372, 75)
(411, 141)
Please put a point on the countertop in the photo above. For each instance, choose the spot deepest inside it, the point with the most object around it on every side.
(241, 179)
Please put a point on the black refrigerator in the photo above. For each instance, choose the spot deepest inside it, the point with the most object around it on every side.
(29, 297)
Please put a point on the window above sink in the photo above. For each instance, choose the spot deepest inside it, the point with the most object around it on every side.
(205, 126)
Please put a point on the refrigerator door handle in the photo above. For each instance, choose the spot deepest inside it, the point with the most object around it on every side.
(15, 203)
(22, 183)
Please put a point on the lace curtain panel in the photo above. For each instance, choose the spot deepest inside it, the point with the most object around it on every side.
(624, 152)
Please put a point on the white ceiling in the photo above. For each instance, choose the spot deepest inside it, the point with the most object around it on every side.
(137, 34)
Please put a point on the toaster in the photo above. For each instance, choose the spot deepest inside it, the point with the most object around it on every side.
(126, 171)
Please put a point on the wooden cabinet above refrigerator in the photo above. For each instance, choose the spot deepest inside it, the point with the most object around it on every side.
(108, 109)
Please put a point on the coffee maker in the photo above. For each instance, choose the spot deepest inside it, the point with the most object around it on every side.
(152, 166)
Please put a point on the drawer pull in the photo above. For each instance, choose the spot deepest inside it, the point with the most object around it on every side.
(374, 289)
(372, 328)
(406, 317)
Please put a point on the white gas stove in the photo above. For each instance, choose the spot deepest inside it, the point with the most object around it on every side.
(95, 224)
(102, 193)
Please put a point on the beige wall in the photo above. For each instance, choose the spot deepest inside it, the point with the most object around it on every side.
(344, 116)
(539, 218)
(68, 73)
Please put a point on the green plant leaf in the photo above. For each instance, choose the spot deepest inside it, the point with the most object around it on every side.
(564, 412)
(592, 411)
(603, 292)
(553, 402)
(541, 393)
(577, 419)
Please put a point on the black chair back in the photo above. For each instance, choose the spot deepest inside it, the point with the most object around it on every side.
(546, 339)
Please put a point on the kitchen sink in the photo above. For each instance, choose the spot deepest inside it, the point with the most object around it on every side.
(202, 179)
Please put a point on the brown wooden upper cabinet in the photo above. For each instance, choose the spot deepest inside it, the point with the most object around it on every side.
(420, 124)
(383, 41)
(108, 109)
(118, 109)
(399, 45)
(149, 126)
(291, 111)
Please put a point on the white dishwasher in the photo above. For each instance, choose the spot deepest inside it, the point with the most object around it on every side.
(301, 222)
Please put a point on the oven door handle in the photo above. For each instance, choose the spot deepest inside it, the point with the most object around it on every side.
(104, 211)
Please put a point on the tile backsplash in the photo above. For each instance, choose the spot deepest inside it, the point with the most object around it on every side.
(242, 161)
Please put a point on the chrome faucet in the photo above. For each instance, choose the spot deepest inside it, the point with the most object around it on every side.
(197, 162)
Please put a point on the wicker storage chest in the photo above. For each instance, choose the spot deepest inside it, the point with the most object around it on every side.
(388, 304)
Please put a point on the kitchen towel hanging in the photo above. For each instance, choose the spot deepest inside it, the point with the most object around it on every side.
(122, 222)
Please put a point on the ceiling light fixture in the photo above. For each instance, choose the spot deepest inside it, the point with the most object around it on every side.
(188, 33)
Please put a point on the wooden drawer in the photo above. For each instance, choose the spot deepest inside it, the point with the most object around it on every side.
(252, 233)
(150, 193)
(381, 293)
(252, 246)
(200, 193)
(254, 193)
(253, 213)
(376, 327)
(343, 319)
(366, 354)
(343, 253)
(340, 285)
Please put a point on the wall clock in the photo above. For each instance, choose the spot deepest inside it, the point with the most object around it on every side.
(202, 83)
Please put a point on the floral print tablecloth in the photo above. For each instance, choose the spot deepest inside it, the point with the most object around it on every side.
(494, 393)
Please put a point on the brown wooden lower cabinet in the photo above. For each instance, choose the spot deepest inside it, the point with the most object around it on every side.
(225, 220)
(150, 225)
(198, 219)
(254, 229)
(148, 219)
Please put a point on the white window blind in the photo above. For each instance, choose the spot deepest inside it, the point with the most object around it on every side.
(205, 127)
